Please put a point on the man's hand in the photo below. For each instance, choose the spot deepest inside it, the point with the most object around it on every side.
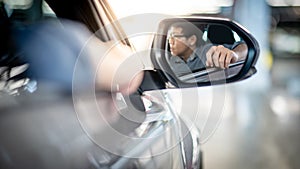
(219, 56)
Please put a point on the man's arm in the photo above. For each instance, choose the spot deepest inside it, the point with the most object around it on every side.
(241, 50)
(220, 56)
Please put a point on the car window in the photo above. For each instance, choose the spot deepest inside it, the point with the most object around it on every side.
(13, 66)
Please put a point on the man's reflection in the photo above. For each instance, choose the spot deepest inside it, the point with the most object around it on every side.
(190, 53)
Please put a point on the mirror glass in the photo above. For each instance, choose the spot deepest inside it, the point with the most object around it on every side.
(202, 52)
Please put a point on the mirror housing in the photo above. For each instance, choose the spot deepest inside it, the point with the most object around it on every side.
(206, 76)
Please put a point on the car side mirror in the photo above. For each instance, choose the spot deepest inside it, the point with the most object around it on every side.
(204, 51)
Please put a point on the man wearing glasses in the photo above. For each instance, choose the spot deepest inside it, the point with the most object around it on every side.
(190, 53)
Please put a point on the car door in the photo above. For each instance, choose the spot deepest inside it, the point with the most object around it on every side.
(157, 140)
(50, 128)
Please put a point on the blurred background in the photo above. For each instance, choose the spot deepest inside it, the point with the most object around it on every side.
(260, 127)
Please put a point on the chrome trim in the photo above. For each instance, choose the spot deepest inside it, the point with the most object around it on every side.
(178, 127)
(195, 133)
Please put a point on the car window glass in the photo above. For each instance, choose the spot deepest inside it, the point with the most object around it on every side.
(13, 66)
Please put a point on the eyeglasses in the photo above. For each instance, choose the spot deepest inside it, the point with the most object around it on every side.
(172, 36)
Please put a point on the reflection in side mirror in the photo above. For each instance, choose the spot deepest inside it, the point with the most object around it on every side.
(203, 52)
(213, 74)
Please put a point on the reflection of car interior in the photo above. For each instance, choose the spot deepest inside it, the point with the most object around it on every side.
(215, 34)
(218, 34)
(206, 74)
(12, 65)
(16, 21)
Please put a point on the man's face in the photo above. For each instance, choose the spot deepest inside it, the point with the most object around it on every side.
(178, 42)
